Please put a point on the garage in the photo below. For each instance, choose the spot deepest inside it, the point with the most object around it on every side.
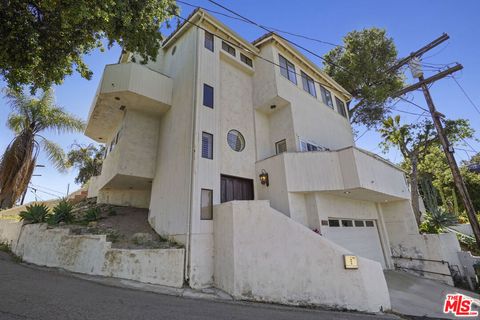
(358, 236)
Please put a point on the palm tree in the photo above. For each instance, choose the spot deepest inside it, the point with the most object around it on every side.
(29, 118)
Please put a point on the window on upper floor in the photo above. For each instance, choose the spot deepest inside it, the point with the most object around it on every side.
(207, 145)
(287, 69)
(326, 96)
(281, 146)
(310, 146)
(341, 107)
(209, 40)
(228, 48)
(207, 95)
(246, 60)
(308, 84)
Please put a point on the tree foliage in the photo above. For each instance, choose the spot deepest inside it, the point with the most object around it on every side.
(361, 67)
(87, 159)
(415, 142)
(43, 41)
(30, 117)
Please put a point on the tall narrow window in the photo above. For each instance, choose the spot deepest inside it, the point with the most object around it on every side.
(287, 69)
(308, 84)
(207, 95)
(207, 145)
(209, 41)
(281, 146)
(228, 48)
(246, 60)
(206, 205)
(341, 107)
(326, 97)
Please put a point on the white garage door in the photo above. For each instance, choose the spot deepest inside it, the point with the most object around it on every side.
(359, 236)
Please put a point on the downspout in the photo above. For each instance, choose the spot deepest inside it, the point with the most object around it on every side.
(193, 153)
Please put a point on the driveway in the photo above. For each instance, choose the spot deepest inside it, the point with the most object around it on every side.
(32, 293)
(416, 296)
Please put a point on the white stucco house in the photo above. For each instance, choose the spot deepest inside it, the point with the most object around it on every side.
(244, 153)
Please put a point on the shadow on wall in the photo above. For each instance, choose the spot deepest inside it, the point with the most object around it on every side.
(262, 255)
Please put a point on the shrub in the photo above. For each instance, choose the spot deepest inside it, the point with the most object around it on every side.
(35, 213)
(62, 212)
(92, 214)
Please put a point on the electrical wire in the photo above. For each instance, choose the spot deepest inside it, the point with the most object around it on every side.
(250, 51)
(466, 95)
(272, 28)
(289, 41)
(46, 188)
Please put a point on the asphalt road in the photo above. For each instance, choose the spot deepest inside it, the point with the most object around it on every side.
(28, 292)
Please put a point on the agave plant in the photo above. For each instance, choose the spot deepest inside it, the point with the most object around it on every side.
(35, 213)
(62, 212)
(29, 118)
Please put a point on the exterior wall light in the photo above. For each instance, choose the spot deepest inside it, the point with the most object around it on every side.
(264, 178)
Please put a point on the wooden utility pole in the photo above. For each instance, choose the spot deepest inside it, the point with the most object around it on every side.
(436, 116)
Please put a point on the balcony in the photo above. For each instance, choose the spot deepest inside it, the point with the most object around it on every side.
(349, 172)
(126, 86)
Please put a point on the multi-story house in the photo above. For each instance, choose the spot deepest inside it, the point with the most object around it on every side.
(216, 118)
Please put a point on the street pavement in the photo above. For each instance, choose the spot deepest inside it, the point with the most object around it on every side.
(28, 292)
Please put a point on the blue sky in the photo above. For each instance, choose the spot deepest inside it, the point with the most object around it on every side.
(412, 24)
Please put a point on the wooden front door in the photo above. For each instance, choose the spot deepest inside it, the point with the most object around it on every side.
(235, 188)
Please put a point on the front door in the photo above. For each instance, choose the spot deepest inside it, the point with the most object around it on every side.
(235, 188)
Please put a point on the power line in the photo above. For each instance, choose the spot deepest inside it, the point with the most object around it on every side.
(250, 51)
(466, 95)
(272, 28)
(289, 41)
(46, 188)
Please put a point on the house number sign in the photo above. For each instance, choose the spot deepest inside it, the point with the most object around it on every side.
(351, 262)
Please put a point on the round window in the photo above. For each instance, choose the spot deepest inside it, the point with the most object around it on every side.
(235, 140)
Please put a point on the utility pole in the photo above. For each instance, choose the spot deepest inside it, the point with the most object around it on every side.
(414, 62)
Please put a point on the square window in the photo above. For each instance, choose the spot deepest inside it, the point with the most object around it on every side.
(333, 223)
(359, 223)
(209, 41)
(281, 146)
(206, 205)
(287, 69)
(207, 145)
(246, 60)
(341, 107)
(207, 96)
(369, 223)
(308, 84)
(347, 223)
(326, 97)
(228, 48)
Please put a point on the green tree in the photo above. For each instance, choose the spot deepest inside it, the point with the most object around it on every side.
(437, 219)
(29, 118)
(414, 142)
(435, 165)
(43, 41)
(87, 159)
(361, 66)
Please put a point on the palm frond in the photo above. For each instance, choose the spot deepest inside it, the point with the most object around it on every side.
(62, 122)
(55, 154)
(16, 122)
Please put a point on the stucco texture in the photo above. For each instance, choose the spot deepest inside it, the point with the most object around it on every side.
(263, 255)
(92, 254)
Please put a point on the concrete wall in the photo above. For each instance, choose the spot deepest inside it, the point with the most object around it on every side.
(264, 256)
(125, 197)
(171, 187)
(10, 231)
(92, 254)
